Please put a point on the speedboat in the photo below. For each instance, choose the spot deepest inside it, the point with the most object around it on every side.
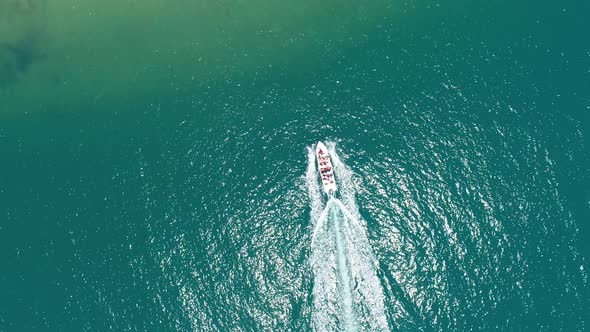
(326, 169)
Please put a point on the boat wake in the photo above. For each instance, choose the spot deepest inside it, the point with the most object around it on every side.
(347, 294)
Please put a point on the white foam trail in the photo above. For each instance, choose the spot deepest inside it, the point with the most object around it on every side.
(347, 293)
(343, 273)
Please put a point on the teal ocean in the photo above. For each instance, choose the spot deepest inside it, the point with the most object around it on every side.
(157, 169)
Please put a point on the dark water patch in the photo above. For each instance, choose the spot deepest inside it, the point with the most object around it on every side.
(14, 8)
(16, 58)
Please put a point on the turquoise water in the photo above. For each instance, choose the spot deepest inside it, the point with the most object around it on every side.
(156, 172)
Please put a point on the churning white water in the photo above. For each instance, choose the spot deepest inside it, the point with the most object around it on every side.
(347, 294)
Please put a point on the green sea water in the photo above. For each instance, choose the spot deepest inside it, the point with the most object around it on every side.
(157, 169)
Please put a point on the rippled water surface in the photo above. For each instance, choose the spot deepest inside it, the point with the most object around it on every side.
(164, 180)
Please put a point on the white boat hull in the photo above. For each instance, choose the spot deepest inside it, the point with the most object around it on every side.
(325, 169)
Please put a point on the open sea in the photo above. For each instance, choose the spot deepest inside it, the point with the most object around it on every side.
(157, 170)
